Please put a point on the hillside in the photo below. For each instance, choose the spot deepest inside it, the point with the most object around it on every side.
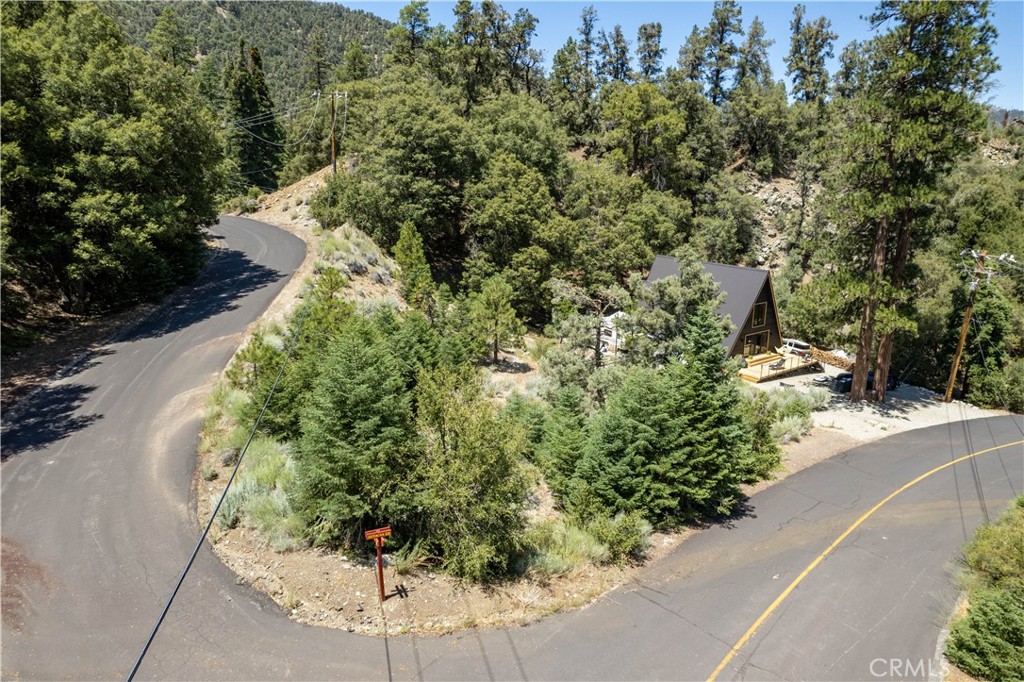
(279, 29)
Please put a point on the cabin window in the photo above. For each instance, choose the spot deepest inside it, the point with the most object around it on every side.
(760, 314)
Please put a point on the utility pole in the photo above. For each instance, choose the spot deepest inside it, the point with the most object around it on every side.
(980, 269)
(334, 118)
(334, 121)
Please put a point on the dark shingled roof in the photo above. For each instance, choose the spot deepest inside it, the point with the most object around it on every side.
(741, 287)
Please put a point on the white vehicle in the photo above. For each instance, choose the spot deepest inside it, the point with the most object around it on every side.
(795, 347)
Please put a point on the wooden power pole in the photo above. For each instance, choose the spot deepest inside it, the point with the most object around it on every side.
(980, 269)
(334, 160)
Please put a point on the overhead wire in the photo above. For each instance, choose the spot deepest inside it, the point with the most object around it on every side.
(293, 108)
(312, 121)
(220, 501)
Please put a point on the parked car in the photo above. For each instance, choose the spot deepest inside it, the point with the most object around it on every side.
(844, 382)
(795, 347)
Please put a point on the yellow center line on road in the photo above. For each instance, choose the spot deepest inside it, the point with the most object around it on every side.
(821, 557)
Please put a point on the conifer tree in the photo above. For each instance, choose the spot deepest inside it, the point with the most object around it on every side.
(913, 114)
(417, 282)
(254, 137)
(752, 57)
(693, 56)
(357, 438)
(355, 65)
(168, 40)
(649, 50)
(810, 46)
(564, 439)
(720, 50)
(615, 60)
(315, 65)
(492, 317)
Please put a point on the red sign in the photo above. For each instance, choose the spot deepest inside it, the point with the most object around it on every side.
(378, 533)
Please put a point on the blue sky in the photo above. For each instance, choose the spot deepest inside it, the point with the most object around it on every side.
(557, 20)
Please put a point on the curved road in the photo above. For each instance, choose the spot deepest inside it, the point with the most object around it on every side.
(97, 525)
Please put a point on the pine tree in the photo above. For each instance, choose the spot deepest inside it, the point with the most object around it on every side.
(355, 65)
(752, 57)
(475, 487)
(410, 35)
(492, 317)
(649, 50)
(720, 54)
(910, 119)
(417, 282)
(168, 40)
(316, 67)
(810, 46)
(615, 60)
(693, 55)
(255, 137)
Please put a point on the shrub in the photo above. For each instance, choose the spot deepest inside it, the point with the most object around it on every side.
(557, 547)
(208, 471)
(996, 554)
(817, 398)
(791, 428)
(241, 491)
(627, 536)
(989, 642)
(760, 415)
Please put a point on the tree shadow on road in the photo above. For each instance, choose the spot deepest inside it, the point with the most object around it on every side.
(228, 277)
(47, 418)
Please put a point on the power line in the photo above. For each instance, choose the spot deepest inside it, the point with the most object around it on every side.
(213, 515)
(312, 121)
(294, 108)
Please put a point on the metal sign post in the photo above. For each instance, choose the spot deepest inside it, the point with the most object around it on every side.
(378, 535)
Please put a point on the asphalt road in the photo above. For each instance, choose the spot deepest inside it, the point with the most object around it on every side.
(97, 524)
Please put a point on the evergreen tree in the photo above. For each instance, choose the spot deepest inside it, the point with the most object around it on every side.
(255, 137)
(659, 312)
(355, 66)
(410, 35)
(316, 67)
(564, 439)
(417, 283)
(569, 91)
(492, 317)
(615, 60)
(759, 121)
(752, 57)
(906, 125)
(352, 462)
(110, 161)
(646, 133)
(810, 46)
(475, 487)
(720, 50)
(649, 50)
(508, 207)
(169, 42)
(693, 55)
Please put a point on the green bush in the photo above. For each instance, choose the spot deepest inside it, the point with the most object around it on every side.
(557, 547)
(792, 427)
(988, 643)
(996, 554)
(627, 536)
(1002, 389)
(760, 414)
(242, 490)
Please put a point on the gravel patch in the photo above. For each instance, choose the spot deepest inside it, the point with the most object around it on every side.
(905, 408)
